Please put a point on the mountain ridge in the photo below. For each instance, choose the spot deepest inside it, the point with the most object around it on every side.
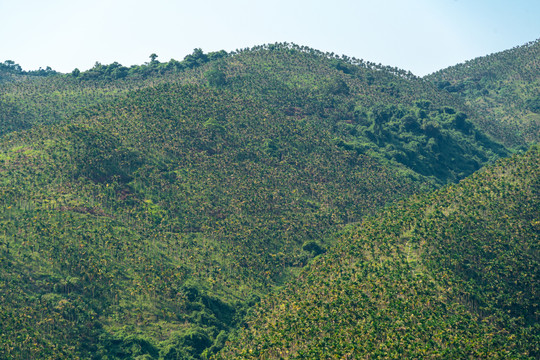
(504, 88)
(146, 210)
(380, 289)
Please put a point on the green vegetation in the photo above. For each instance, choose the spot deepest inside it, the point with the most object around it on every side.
(11, 71)
(439, 143)
(504, 90)
(170, 209)
(452, 274)
(144, 211)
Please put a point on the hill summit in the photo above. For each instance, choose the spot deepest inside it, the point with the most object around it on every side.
(145, 211)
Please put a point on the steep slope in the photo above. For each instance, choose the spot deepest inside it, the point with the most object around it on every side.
(36, 100)
(152, 220)
(453, 274)
(144, 210)
(379, 111)
(505, 90)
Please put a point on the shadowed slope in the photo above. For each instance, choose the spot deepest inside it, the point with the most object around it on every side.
(452, 274)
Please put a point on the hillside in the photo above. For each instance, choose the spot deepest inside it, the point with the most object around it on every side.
(153, 219)
(378, 111)
(452, 274)
(45, 97)
(505, 90)
(145, 210)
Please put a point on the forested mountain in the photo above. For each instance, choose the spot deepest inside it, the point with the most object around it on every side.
(145, 210)
(452, 274)
(378, 111)
(504, 88)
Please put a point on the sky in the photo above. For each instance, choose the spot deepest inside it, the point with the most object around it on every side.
(421, 36)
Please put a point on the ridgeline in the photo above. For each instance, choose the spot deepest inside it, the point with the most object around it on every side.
(146, 211)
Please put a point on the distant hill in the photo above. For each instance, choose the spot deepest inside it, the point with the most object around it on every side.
(153, 220)
(10, 71)
(379, 111)
(505, 90)
(452, 274)
(145, 210)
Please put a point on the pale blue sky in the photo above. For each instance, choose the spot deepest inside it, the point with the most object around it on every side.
(417, 35)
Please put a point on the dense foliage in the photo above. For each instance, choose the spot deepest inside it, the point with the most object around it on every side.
(170, 208)
(370, 109)
(11, 71)
(504, 88)
(452, 274)
(145, 210)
